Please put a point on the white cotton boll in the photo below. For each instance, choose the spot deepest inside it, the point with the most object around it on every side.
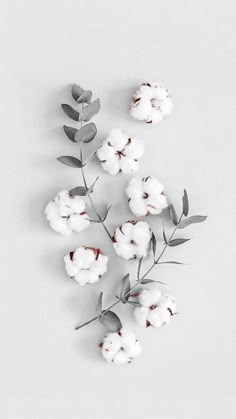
(132, 240)
(141, 315)
(67, 213)
(156, 308)
(120, 347)
(150, 103)
(146, 196)
(120, 153)
(159, 317)
(86, 265)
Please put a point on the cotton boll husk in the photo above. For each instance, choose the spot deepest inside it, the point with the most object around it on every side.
(141, 315)
(159, 316)
(149, 297)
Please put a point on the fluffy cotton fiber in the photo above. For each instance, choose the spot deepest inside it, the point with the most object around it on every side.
(120, 153)
(120, 347)
(86, 265)
(132, 240)
(67, 213)
(150, 103)
(146, 196)
(156, 308)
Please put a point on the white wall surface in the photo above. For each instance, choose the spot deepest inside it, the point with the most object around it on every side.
(47, 370)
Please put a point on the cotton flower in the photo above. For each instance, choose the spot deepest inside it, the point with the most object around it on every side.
(120, 347)
(156, 308)
(120, 153)
(150, 103)
(67, 213)
(86, 265)
(146, 196)
(132, 240)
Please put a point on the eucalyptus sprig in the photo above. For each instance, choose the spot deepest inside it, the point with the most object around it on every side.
(84, 135)
(108, 317)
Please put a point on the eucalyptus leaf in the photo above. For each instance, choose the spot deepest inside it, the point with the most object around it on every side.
(125, 288)
(107, 211)
(139, 267)
(76, 91)
(185, 203)
(85, 97)
(70, 132)
(177, 242)
(71, 112)
(99, 304)
(173, 214)
(86, 134)
(79, 190)
(164, 236)
(90, 189)
(110, 320)
(134, 303)
(89, 111)
(154, 243)
(70, 161)
(148, 281)
(192, 220)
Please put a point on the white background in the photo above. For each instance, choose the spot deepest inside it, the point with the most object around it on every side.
(47, 370)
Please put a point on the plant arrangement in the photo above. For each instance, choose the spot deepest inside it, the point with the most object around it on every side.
(68, 212)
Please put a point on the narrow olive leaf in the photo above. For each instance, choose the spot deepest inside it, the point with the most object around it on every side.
(154, 243)
(173, 214)
(76, 91)
(134, 303)
(79, 190)
(110, 320)
(192, 220)
(171, 261)
(185, 203)
(86, 134)
(99, 304)
(147, 281)
(70, 132)
(70, 161)
(164, 236)
(85, 97)
(71, 112)
(177, 242)
(107, 211)
(125, 288)
(90, 189)
(89, 111)
(139, 267)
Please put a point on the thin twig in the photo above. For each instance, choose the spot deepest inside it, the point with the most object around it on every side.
(139, 281)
